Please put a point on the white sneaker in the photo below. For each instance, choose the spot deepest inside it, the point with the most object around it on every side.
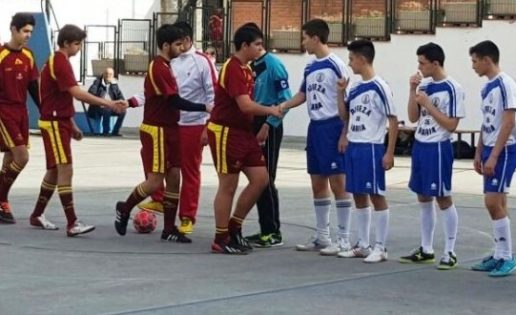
(355, 252)
(339, 246)
(313, 244)
(378, 254)
(43, 223)
(79, 228)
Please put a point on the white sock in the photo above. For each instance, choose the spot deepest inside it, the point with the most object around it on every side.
(381, 223)
(502, 234)
(343, 209)
(427, 226)
(363, 224)
(450, 224)
(322, 214)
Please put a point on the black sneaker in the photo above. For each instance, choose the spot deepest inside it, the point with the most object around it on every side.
(121, 219)
(418, 256)
(253, 238)
(238, 239)
(6, 216)
(268, 240)
(447, 263)
(175, 236)
(227, 248)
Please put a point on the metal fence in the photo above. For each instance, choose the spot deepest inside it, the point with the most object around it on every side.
(99, 50)
(134, 45)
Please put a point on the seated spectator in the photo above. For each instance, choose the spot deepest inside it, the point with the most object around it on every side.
(106, 87)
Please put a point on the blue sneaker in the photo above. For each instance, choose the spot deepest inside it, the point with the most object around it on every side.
(487, 264)
(503, 268)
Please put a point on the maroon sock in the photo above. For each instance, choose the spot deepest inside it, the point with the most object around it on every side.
(170, 201)
(221, 235)
(11, 172)
(45, 193)
(235, 224)
(66, 196)
(137, 196)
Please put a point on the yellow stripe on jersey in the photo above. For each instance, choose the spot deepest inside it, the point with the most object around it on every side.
(151, 78)
(29, 55)
(51, 68)
(4, 54)
(52, 129)
(158, 147)
(222, 76)
(221, 137)
(5, 135)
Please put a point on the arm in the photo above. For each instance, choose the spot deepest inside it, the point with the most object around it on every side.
(295, 101)
(505, 132)
(412, 107)
(184, 104)
(247, 106)
(78, 93)
(34, 92)
(477, 162)
(388, 158)
(448, 123)
(279, 76)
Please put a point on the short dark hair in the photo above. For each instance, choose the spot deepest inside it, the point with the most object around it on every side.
(246, 34)
(486, 49)
(22, 19)
(251, 24)
(168, 33)
(70, 33)
(317, 27)
(185, 27)
(432, 52)
(364, 48)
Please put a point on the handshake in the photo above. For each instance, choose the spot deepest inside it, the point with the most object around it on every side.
(278, 110)
(118, 106)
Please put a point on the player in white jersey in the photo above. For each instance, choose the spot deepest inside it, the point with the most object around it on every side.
(495, 157)
(369, 106)
(325, 158)
(436, 103)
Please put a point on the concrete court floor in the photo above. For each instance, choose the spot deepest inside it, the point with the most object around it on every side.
(44, 272)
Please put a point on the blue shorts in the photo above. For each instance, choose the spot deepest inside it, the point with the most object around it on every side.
(431, 171)
(501, 181)
(322, 154)
(364, 170)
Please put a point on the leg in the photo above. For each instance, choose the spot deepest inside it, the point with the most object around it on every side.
(13, 164)
(118, 124)
(322, 206)
(342, 207)
(170, 204)
(450, 225)
(48, 186)
(258, 180)
(106, 121)
(222, 205)
(191, 153)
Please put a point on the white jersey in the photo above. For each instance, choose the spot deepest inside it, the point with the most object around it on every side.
(369, 103)
(196, 78)
(320, 86)
(498, 95)
(448, 96)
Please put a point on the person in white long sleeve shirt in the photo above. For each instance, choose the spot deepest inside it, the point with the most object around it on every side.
(196, 77)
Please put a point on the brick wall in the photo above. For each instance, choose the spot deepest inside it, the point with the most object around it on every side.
(246, 11)
(328, 10)
(368, 7)
(286, 14)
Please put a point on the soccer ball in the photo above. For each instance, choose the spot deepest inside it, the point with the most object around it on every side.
(144, 221)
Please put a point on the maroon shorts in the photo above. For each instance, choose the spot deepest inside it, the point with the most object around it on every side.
(160, 148)
(14, 127)
(233, 149)
(57, 138)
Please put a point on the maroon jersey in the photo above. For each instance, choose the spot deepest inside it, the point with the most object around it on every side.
(17, 70)
(159, 85)
(56, 78)
(235, 79)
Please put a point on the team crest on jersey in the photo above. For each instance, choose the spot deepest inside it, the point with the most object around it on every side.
(18, 61)
(366, 99)
(435, 101)
(319, 77)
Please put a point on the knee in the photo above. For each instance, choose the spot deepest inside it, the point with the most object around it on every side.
(22, 160)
